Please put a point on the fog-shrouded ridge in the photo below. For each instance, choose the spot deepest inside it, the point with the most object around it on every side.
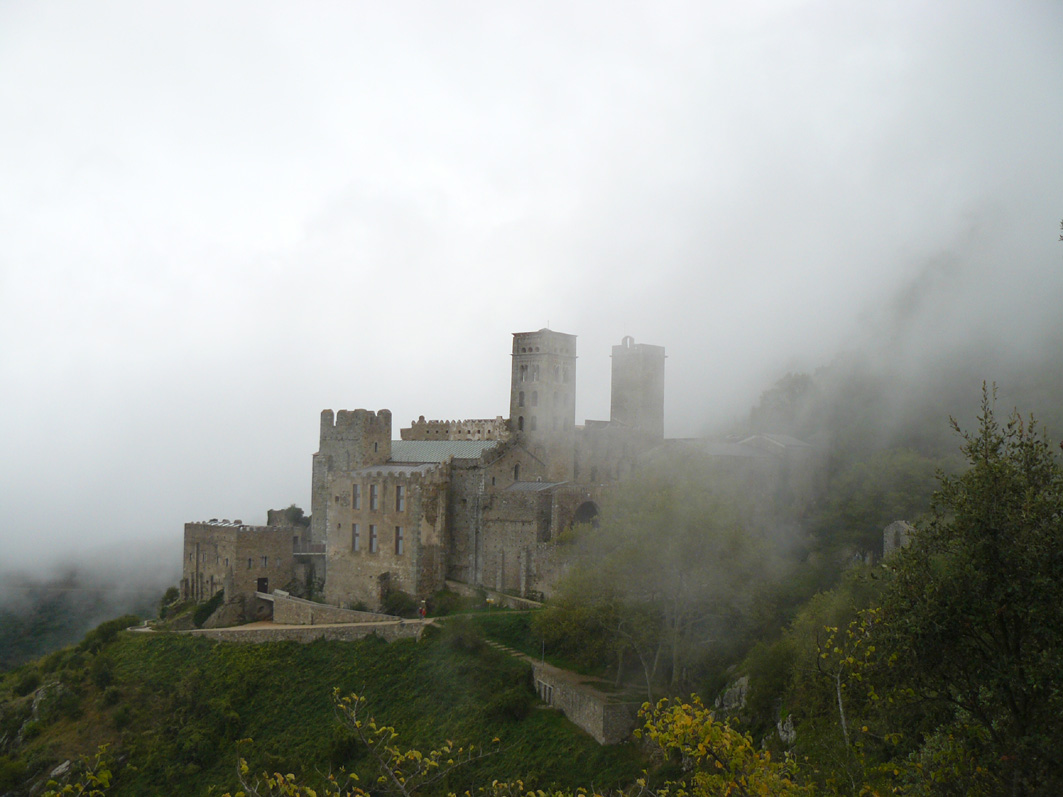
(219, 220)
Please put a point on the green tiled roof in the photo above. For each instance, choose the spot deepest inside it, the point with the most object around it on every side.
(438, 450)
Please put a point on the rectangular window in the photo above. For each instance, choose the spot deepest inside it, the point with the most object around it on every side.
(400, 498)
(372, 539)
(249, 563)
(226, 561)
(355, 541)
(356, 497)
(398, 540)
(374, 497)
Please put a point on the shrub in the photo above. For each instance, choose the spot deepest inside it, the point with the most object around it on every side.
(12, 773)
(205, 610)
(28, 682)
(105, 633)
(400, 603)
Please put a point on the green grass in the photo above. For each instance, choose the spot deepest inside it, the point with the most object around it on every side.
(173, 707)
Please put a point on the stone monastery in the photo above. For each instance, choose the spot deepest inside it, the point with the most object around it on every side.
(479, 502)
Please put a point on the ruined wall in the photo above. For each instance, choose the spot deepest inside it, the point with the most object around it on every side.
(477, 429)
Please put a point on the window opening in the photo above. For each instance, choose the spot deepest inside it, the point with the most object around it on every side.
(398, 541)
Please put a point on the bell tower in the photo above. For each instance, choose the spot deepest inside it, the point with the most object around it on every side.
(542, 398)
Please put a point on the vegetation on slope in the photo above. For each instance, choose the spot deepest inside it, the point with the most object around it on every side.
(173, 708)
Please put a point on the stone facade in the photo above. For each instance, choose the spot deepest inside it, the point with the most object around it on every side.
(240, 559)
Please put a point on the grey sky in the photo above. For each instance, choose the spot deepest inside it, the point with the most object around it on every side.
(217, 219)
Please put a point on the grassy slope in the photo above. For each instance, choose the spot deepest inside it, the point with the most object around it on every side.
(173, 708)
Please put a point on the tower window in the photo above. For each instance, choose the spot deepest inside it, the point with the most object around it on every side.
(520, 424)
(524, 373)
(535, 398)
(373, 543)
(398, 541)
(520, 399)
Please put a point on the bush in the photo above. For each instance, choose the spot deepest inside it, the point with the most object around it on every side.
(513, 704)
(29, 681)
(400, 603)
(205, 610)
(105, 633)
(461, 633)
(12, 773)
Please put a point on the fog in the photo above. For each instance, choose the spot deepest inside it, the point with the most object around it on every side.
(218, 220)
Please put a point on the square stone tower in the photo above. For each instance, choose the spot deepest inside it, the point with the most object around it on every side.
(637, 400)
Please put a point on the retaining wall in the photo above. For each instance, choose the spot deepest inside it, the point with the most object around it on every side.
(288, 610)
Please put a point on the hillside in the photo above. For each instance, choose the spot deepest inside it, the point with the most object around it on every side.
(172, 708)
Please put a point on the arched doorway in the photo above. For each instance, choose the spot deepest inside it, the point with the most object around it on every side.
(587, 512)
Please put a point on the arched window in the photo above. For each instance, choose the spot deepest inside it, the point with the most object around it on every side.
(520, 399)
(516, 473)
(520, 424)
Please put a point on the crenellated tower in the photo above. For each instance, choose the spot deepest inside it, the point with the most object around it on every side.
(350, 439)
(542, 400)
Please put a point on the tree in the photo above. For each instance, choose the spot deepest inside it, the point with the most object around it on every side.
(971, 618)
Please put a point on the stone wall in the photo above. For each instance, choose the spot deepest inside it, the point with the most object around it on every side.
(608, 721)
(289, 610)
(222, 554)
(361, 570)
(308, 633)
(476, 429)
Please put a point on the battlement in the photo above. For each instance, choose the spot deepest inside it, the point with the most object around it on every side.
(475, 429)
(340, 424)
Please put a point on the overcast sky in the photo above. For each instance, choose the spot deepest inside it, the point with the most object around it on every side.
(217, 219)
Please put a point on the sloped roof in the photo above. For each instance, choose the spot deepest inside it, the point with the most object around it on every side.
(438, 450)
(531, 487)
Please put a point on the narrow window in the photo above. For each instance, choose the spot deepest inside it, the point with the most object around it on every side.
(492, 481)
(355, 541)
(249, 563)
(520, 424)
(400, 498)
(226, 561)
(191, 557)
(524, 373)
(265, 561)
(374, 497)
(375, 447)
(516, 473)
(356, 496)
(520, 399)
(535, 373)
(372, 539)
(398, 541)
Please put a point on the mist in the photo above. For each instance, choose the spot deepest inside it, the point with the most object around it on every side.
(218, 221)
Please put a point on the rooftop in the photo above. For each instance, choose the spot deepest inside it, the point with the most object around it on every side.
(409, 451)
